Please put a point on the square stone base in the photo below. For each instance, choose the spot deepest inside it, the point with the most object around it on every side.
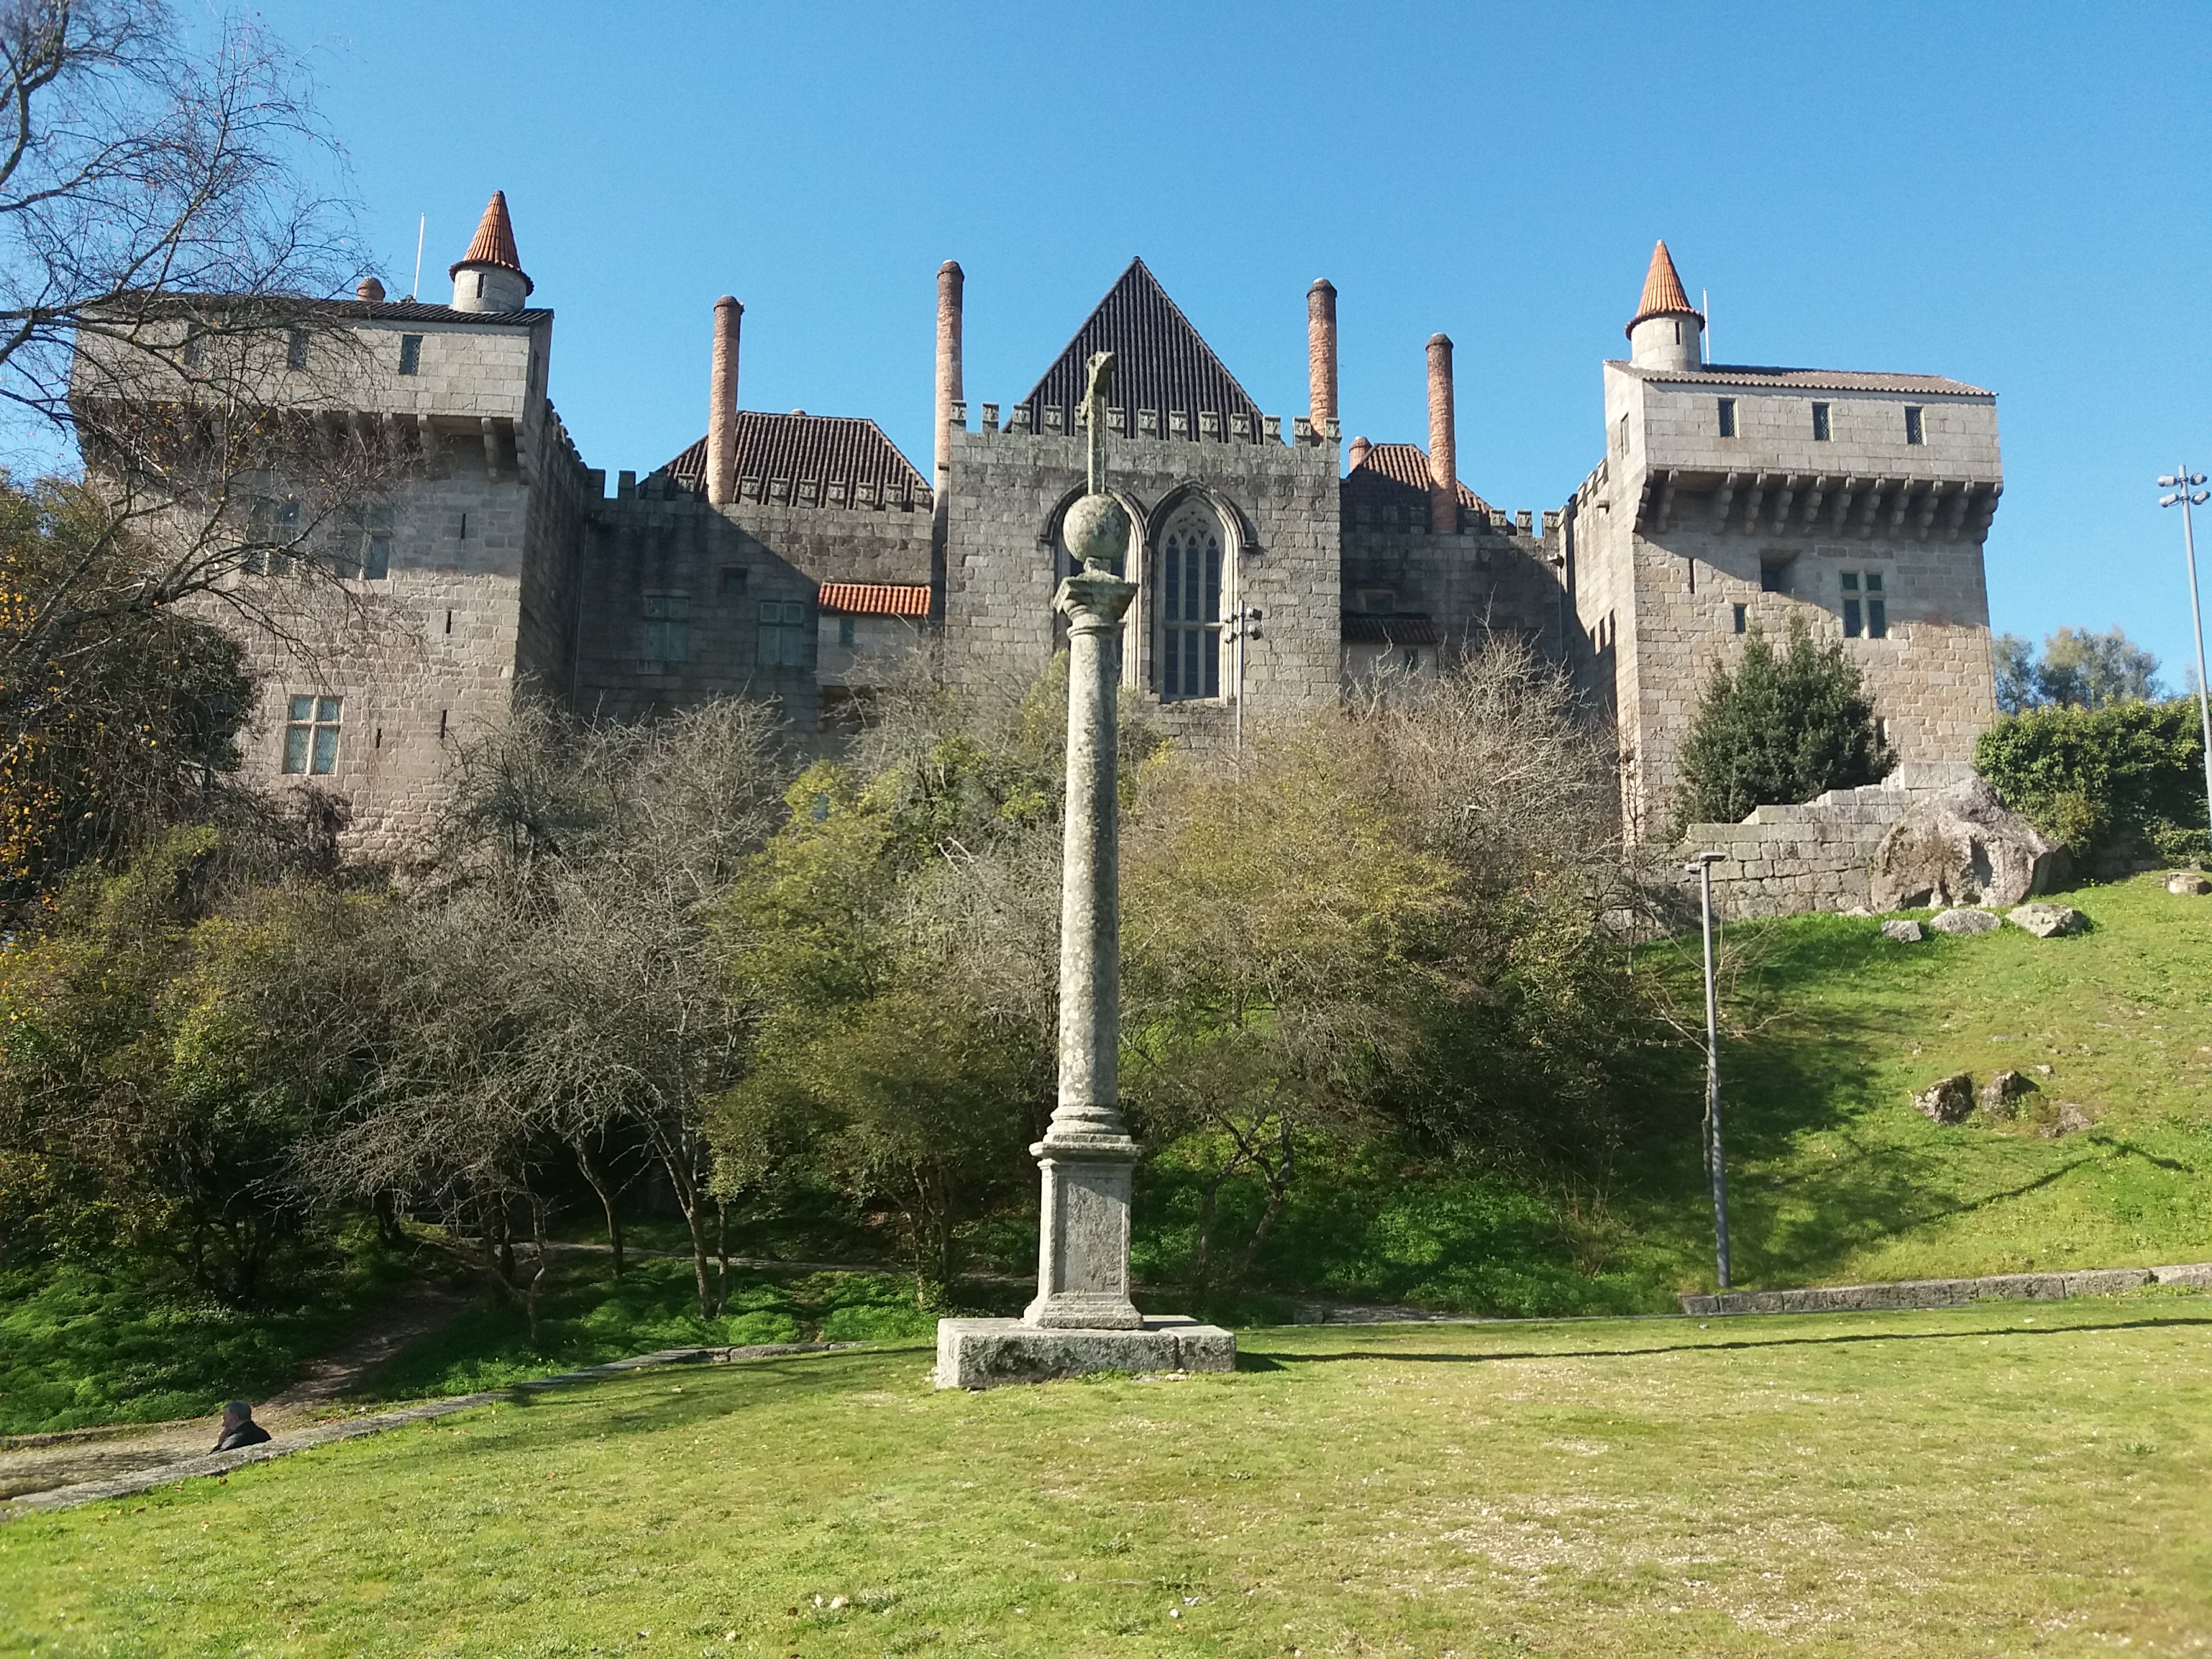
(982, 1353)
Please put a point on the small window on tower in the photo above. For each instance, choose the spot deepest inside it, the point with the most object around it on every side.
(1877, 607)
(1914, 431)
(1621, 437)
(847, 632)
(296, 348)
(1774, 576)
(1819, 423)
(411, 354)
(310, 735)
(1739, 617)
(734, 579)
(1728, 417)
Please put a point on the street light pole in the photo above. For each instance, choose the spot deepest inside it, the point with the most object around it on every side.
(1716, 1164)
(2185, 492)
(1244, 624)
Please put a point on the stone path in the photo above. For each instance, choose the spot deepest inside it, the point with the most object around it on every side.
(1950, 1293)
(39, 1462)
(131, 1484)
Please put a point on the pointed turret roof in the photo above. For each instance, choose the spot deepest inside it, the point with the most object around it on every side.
(494, 242)
(1662, 291)
(1161, 362)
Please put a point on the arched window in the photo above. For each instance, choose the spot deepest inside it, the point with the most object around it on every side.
(1190, 587)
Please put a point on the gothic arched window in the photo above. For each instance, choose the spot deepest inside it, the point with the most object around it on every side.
(1190, 587)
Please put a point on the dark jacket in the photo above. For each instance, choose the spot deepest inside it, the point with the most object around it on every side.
(248, 1433)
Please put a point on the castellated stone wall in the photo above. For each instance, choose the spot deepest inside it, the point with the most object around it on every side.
(1276, 505)
(681, 601)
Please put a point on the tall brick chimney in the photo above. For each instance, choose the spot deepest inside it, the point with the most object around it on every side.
(1444, 445)
(1321, 351)
(950, 282)
(722, 404)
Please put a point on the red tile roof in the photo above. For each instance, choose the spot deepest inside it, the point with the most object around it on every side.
(873, 599)
(1161, 362)
(494, 242)
(1399, 473)
(1810, 380)
(1662, 291)
(827, 448)
(1389, 630)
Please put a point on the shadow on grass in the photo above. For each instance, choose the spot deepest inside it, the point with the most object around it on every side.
(1728, 1345)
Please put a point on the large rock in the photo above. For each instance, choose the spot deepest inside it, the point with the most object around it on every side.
(2047, 920)
(1904, 931)
(2003, 1094)
(2187, 883)
(1965, 921)
(1948, 1101)
(1961, 845)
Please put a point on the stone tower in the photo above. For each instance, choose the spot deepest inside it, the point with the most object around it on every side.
(489, 277)
(1732, 498)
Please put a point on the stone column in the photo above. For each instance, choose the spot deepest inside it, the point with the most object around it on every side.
(722, 404)
(1443, 442)
(1321, 352)
(1087, 1155)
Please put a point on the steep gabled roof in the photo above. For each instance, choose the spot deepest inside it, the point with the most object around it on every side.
(829, 448)
(494, 242)
(1398, 474)
(1162, 363)
(1662, 291)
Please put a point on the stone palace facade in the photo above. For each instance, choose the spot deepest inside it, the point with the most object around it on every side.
(798, 556)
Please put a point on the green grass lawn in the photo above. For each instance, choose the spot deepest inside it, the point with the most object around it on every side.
(1833, 1175)
(2004, 1479)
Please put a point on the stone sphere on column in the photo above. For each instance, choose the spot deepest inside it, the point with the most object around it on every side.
(1097, 531)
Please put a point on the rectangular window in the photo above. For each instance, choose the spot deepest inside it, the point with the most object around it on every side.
(195, 347)
(847, 632)
(1774, 576)
(411, 354)
(1819, 423)
(783, 634)
(1877, 607)
(364, 549)
(271, 538)
(1621, 439)
(1852, 627)
(667, 628)
(310, 735)
(1728, 417)
(1914, 432)
(1739, 617)
(296, 348)
(734, 579)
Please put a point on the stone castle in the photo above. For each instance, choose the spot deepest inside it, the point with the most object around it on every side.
(802, 557)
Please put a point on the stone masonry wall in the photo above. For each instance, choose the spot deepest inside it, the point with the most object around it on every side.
(1278, 506)
(1786, 861)
(1491, 577)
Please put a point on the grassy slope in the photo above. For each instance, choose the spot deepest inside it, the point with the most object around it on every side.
(1833, 1175)
(2011, 1480)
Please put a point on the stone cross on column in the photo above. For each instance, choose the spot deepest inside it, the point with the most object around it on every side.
(1083, 1260)
(1083, 1319)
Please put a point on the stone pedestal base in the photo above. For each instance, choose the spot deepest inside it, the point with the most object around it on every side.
(982, 1353)
(1083, 1246)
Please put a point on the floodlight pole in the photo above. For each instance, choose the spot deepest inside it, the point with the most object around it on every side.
(2187, 493)
(1716, 1165)
(1243, 625)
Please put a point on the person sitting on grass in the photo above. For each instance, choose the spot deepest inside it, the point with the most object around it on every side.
(239, 1428)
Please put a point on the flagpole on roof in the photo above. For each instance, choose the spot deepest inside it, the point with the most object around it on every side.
(422, 224)
(1706, 339)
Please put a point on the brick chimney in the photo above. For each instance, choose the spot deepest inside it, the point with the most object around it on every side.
(1443, 448)
(1321, 351)
(952, 281)
(1357, 455)
(722, 404)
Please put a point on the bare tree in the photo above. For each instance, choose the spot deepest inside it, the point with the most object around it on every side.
(172, 228)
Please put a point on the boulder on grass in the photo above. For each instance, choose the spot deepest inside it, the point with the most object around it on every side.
(1948, 1101)
(2067, 1119)
(1904, 931)
(2001, 1094)
(1965, 921)
(2187, 881)
(2048, 921)
(1962, 846)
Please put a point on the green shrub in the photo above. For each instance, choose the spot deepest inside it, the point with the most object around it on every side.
(2115, 784)
(1786, 725)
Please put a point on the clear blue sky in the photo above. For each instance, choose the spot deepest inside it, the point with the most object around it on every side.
(2012, 195)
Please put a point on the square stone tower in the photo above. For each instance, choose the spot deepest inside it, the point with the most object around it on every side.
(1734, 497)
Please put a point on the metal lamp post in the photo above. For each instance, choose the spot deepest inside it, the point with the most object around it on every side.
(2185, 492)
(1716, 1166)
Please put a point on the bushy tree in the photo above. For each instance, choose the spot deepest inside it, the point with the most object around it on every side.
(2078, 668)
(2123, 782)
(1782, 727)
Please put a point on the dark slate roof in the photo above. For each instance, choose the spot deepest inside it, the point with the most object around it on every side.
(832, 448)
(1398, 473)
(1810, 380)
(1161, 362)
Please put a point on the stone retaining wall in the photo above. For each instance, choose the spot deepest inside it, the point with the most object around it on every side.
(1950, 1293)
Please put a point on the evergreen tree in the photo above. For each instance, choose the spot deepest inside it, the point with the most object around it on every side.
(1784, 728)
